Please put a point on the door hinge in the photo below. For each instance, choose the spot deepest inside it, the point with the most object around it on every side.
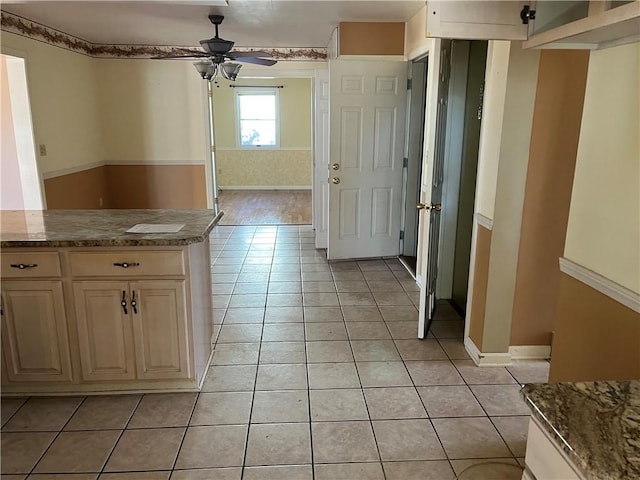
(401, 234)
(409, 82)
(405, 162)
(527, 14)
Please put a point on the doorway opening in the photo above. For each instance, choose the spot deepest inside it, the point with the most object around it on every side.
(264, 150)
(464, 117)
(21, 181)
(416, 101)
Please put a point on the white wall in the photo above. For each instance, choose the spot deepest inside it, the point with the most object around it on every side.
(491, 131)
(11, 184)
(603, 233)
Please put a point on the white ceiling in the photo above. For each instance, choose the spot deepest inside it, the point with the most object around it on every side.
(250, 23)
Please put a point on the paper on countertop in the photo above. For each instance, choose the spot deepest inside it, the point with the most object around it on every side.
(156, 228)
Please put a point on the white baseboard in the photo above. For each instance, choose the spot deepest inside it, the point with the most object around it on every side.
(265, 187)
(483, 359)
(530, 352)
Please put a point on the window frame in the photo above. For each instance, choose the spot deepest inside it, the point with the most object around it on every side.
(248, 91)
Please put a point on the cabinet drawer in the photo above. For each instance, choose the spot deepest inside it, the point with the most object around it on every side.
(30, 264)
(127, 263)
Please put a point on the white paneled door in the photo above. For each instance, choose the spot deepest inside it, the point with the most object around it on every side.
(367, 118)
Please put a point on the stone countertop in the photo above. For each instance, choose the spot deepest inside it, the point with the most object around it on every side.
(101, 228)
(597, 424)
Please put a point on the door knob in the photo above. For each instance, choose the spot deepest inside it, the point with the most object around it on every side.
(423, 206)
(335, 180)
(335, 166)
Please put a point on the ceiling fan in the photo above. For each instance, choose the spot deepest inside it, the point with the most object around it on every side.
(220, 57)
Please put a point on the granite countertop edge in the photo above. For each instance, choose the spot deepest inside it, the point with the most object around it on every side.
(117, 239)
(611, 411)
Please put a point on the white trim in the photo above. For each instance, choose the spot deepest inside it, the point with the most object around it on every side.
(264, 187)
(68, 171)
(155, 162)
(88, 166)
(244, 149)
(471, 349)
(602, 284)
(483, 221)
(486, 359)
(530, 352)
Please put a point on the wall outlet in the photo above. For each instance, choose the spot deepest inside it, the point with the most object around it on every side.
(100, 202)
(43, 150)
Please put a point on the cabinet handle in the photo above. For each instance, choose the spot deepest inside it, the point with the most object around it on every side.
(22, 266)
(134, 304)
(124, 302)
(126, 264)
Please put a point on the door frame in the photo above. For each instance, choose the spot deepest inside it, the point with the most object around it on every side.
(413, 156)
(26, 144)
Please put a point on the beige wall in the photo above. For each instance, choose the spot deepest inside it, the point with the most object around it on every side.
(603, 234)
(371, 38)
(288, 165)
(596, 338)
(156, 186)
(64, 102)
(513, 157)
(88, 189)
(152, 111)
(554, 141)
(476, 314)
(127, 112)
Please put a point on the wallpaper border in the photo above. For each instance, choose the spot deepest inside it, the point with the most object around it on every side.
(27, 28)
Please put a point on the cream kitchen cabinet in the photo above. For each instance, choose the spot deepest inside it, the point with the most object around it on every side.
(132, 329)
(539, 24)
(89, 307)
(34, 331)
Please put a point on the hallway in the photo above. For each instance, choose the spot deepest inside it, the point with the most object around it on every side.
(317, 374)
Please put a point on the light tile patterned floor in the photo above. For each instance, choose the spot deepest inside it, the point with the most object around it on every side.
(317, 374)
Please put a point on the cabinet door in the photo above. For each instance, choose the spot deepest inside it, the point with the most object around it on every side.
(473, 20)
(34, 332)
(104, 331)
(160, 329)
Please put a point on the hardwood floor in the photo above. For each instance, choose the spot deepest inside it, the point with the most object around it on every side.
(265, 207)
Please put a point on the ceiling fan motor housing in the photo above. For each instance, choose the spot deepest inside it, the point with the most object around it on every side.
(217, 46)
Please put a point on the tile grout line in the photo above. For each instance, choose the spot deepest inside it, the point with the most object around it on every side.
(255, 380)
(57, 435)
(133, 411)
(306, 368)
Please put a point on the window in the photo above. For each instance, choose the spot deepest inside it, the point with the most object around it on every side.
(257, 117)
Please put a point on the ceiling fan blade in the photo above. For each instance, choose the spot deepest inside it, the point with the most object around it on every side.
(191, 55)
(256, 53)
(257, 61)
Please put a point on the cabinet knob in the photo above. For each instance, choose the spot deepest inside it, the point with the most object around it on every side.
(126, 264)
(23, 266)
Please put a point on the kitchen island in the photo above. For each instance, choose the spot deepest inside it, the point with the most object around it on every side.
(587, 430)
(89, 307)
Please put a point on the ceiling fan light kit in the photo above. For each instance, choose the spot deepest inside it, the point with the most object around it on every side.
(209, 70)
